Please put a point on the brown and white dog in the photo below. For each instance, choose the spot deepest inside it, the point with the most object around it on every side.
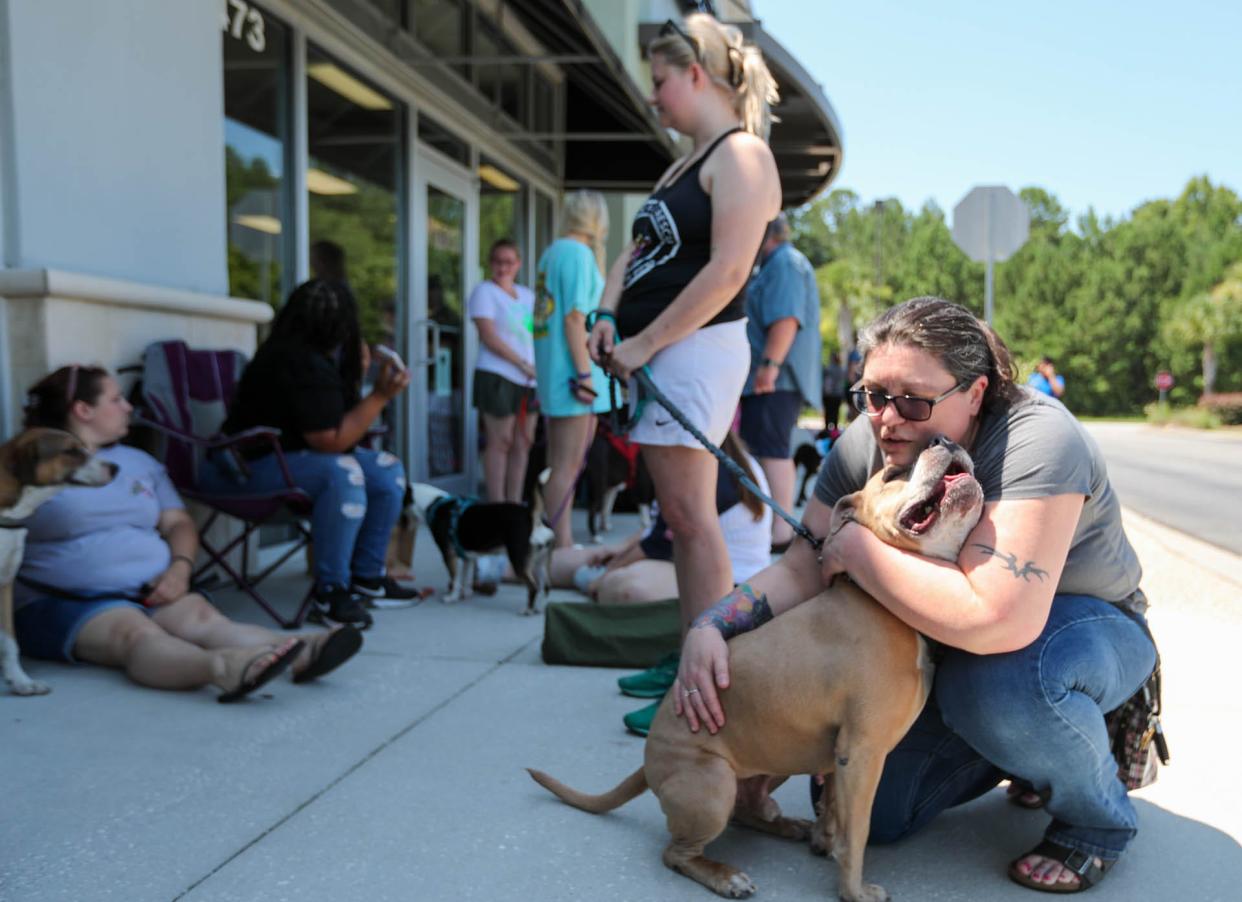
(829, 687)
(34, 466)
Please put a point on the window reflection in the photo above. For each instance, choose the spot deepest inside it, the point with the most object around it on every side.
(440, 26)
(446, 252)
(256, 131)
(501, 212)
(353, 178)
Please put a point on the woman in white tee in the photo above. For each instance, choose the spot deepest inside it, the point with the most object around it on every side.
(504, 376)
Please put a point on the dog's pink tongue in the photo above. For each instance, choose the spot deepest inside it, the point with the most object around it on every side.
(950, 478)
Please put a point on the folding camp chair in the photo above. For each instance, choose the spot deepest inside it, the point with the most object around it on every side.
(184, 398)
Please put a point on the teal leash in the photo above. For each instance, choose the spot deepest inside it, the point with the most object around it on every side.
(642, 376)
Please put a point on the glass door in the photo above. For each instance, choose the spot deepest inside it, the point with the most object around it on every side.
(441, 345)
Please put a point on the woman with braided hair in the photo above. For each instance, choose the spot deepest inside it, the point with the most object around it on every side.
(305, 380)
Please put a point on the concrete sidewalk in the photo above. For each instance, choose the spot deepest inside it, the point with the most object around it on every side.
(400, 777)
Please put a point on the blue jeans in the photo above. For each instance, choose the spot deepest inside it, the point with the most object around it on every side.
(357, 498)
(1037, 714)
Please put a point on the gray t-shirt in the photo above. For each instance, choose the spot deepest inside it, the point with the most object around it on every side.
(1034, 449)
(96, 541)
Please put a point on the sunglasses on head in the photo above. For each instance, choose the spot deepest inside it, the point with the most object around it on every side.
(670, 27)
(909, 407)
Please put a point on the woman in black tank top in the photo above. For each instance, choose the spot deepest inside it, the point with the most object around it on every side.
(694, 244)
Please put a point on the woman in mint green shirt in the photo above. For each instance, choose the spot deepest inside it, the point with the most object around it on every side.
(571, 388)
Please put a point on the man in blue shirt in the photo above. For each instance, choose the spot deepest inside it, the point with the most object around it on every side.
(782, 309)
(1046, 379)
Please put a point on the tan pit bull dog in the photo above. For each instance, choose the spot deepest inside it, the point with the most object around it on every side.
(34, 466)
(829, 687)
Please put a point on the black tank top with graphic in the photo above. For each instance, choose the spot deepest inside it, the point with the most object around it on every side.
(672, 241)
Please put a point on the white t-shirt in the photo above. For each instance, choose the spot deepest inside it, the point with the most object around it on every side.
(749, 540)
(514, 320)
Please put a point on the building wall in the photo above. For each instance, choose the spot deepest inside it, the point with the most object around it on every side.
(113, 163)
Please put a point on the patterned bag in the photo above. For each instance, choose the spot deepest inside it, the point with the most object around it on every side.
(1134, 729)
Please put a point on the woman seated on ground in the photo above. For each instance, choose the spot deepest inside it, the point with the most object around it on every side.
(1040, 620)
(106, 572)
(305, 381)
(640, 568)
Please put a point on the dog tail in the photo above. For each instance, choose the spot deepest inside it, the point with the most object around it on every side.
(537, 501)
(630, 788)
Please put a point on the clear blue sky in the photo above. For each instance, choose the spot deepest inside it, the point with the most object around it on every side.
(1103, 103)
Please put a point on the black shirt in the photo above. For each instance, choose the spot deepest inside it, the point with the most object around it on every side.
(291, 387)
(672, 236)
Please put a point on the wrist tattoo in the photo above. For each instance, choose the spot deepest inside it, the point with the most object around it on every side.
(740, 611)
(1026, 571)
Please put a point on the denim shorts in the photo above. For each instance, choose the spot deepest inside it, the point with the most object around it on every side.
(48, 627)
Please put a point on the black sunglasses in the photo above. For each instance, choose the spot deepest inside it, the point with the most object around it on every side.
(910, 407)
(671, 27)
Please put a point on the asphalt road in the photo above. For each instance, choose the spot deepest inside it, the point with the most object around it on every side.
(1188, 480)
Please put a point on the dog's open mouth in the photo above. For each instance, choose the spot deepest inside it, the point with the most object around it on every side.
(919, 517)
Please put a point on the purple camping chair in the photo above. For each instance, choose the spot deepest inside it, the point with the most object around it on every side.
(184, 400)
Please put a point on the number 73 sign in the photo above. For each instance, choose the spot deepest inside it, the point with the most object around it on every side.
(243, 22)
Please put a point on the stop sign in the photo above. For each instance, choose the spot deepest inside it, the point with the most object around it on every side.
(1164, 380)
(990, 223)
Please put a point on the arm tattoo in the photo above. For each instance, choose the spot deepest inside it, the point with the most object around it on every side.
(1026, 571)
(738, 612)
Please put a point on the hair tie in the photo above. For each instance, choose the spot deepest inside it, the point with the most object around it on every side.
(737, 67)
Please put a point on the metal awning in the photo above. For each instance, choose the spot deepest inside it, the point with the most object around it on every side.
(613, 140)
(807, 142)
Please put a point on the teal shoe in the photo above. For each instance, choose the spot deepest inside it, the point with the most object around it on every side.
(652, 683)
(640, 721)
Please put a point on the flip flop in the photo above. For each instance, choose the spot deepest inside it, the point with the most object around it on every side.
(1024, 795)
(335, 650)
(264, 676)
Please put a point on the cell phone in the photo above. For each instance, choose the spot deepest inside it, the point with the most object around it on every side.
(389, 354)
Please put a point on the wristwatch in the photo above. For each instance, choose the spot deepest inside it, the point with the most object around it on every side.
(768, 361)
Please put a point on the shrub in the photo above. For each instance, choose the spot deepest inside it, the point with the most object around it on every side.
(1192, 417)
(1227, 406)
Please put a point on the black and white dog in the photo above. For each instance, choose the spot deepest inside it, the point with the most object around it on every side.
(614, 465)
(464, 530)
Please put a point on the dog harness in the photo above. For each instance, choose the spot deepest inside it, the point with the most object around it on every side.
(460, 506)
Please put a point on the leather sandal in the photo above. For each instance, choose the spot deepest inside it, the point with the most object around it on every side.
(1082, 864)
(1024, 795)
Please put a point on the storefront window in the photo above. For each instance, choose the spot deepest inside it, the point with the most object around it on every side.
(440, 26)
(501, 213)
(353, 180)
(544, 222)
(433, 134)
(256, 133)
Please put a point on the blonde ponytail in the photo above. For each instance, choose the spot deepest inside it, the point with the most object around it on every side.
(730, 62)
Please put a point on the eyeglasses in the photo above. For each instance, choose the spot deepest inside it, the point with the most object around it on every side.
(910, 407)
(671, 27)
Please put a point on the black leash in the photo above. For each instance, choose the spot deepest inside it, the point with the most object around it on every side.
(643, 378)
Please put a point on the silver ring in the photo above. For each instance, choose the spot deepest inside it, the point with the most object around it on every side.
(690, 692)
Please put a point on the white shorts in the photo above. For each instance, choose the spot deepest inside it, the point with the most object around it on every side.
(703, 375)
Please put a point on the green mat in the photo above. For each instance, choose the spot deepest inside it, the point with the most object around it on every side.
(610, 635)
